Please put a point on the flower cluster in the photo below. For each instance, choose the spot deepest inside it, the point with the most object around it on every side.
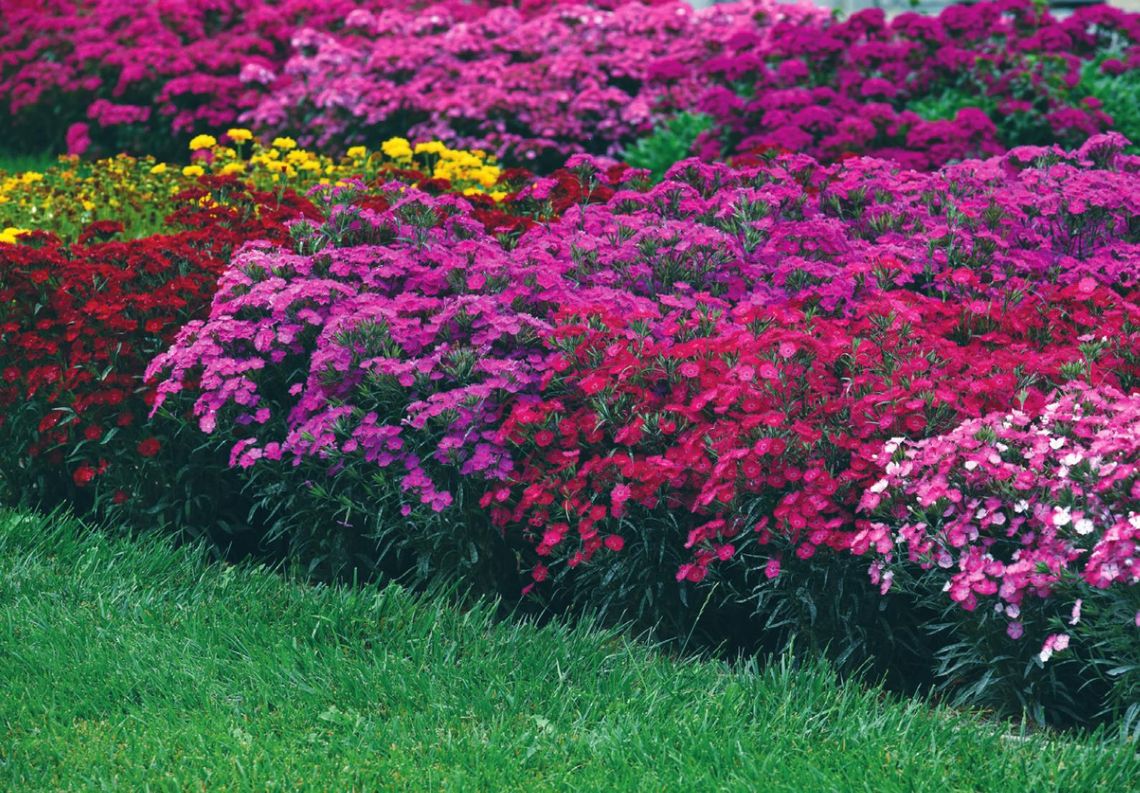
(79, 322)
(923, 91)
(730, 345)
(400, 333)
(1012, 506)
(920, 90)
(571, 79)
(138, 76)
(140, 192)
(536, 82)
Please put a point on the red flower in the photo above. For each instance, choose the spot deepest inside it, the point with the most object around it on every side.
(149, 447)
(83, 475)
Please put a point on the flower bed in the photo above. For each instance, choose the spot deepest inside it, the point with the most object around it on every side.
(704, 372)
(80, 318)
(536, 83)
(877, 406)
(975, 81)
(140, 193)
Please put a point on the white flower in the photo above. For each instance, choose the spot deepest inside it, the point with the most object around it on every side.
(970, 465)
(1071, 459)
(1056, 443)
(1045, 654)
(879, 486)
(1061, 516)
(1083, 526)
(1021, 506)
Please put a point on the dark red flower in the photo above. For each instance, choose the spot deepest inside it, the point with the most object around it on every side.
(149, 447)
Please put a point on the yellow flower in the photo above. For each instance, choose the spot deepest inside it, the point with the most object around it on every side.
(160, 168)
(498, 195)
(233, 167)
(10, 233)
(203, 142)
(284, 143)
(431, 147)
(358, 152)
(396, 148)
(239, 135)
(193, 170)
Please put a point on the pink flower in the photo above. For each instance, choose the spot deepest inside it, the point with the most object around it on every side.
(772, 568)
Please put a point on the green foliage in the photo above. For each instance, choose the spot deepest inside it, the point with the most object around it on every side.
(12, 162)
(670, 143)
(135, 665)
(1119, 96)
(944, 105)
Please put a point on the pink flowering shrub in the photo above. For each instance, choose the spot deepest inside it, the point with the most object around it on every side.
(1031, 517)
(572, 79)
(975, 81)
(923, 91)
(145, 76)
(536, 81)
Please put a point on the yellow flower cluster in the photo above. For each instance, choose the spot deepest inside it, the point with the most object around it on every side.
(9, 234)
(140, 191)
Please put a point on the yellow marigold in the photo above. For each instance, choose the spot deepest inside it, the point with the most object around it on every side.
(498, 195)
(487, 175)
(358, 152)
(284, 144)
(193, 170)
(239, 135)
(431, 147)
(10, 233)
(396, 148)
(203, 142)
(160, 168)
(233, 167)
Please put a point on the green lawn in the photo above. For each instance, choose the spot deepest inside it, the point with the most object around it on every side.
(129, 665)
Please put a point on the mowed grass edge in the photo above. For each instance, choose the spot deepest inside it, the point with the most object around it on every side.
(131, 664)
